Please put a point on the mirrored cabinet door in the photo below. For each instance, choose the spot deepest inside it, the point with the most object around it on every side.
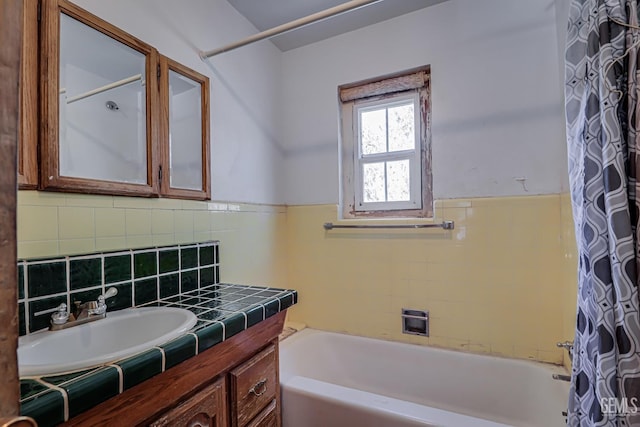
(185, 93)
(99, 90)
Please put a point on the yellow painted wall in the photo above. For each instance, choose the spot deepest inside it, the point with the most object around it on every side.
(503, 282)
(570, 272)
(251, 236)
(496, 284)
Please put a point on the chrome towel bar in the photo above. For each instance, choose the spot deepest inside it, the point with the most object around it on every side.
(446, 225)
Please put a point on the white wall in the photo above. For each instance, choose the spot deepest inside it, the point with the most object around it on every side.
(497, 97)
(247, 158)
(96, 142)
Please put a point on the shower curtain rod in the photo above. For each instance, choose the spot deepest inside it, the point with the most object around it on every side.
(290, 26)
(104, 88)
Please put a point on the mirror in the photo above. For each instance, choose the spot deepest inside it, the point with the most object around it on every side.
(99, 105)
(185, 130)
(102, 107)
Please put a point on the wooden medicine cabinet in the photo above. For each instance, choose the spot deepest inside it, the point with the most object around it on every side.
(116, 117)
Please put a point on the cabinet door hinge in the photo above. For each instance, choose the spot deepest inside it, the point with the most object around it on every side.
(160, 175)
(158, 76)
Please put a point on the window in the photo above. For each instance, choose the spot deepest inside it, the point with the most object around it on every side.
(385, 147)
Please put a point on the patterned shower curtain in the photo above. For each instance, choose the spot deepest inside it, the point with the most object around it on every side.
(601, 94)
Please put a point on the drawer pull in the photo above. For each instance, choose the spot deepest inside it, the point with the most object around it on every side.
(259, 388)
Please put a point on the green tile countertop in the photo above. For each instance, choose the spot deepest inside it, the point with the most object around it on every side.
(223, 310)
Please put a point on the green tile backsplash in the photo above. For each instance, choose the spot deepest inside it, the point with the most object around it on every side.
(189, 281)
(169, 260)
(206, 256)
(206, 276)
(189, 258)
(145, 264)
(117, 268)
(21, 319)
(141, 276)
(85, 273)
(123, 299)
(170, 285)
(20, 281)
(46, 278)
(145, 290)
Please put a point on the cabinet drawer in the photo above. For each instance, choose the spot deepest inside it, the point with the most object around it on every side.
(253, 386)
(206, 409)
(267, 418)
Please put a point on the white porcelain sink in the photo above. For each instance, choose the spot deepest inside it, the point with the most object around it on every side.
(121, 334)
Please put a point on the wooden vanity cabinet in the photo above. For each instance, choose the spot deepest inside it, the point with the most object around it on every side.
(235, 383)
(267, 418)
(206, 409)
(254, 386)
(251, 399)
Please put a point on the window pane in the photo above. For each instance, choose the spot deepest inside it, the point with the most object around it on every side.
(398, 189)
(401, 128)
(103, 101)
(373, 129)
(185, 132)
(373, 182)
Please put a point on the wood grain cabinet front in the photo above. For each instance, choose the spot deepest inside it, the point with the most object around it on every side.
(253, 386)
(235, 383)
(206, 409)
(267, 418)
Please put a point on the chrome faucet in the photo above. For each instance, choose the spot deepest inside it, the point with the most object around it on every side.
(83, 312)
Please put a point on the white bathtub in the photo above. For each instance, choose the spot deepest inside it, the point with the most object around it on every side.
(334, 380)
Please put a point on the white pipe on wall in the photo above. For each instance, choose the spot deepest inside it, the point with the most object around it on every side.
(289, 26)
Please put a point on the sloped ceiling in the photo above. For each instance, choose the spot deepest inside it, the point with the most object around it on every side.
(266, 14)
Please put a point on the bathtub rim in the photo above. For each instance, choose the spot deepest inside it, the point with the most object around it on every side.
(303, 333)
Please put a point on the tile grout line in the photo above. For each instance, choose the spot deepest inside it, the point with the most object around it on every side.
(63, 392)
(132, 276)
(224, 329)
(194, 335)
(68, 278)
(157, 252)
(120, 377)
(27, 309)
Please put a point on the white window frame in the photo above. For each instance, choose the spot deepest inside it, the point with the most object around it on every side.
(415, 200)
(353, 98)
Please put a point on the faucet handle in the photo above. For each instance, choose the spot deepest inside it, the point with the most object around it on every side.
(61, 316)
(102, 305)
(111, 292)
